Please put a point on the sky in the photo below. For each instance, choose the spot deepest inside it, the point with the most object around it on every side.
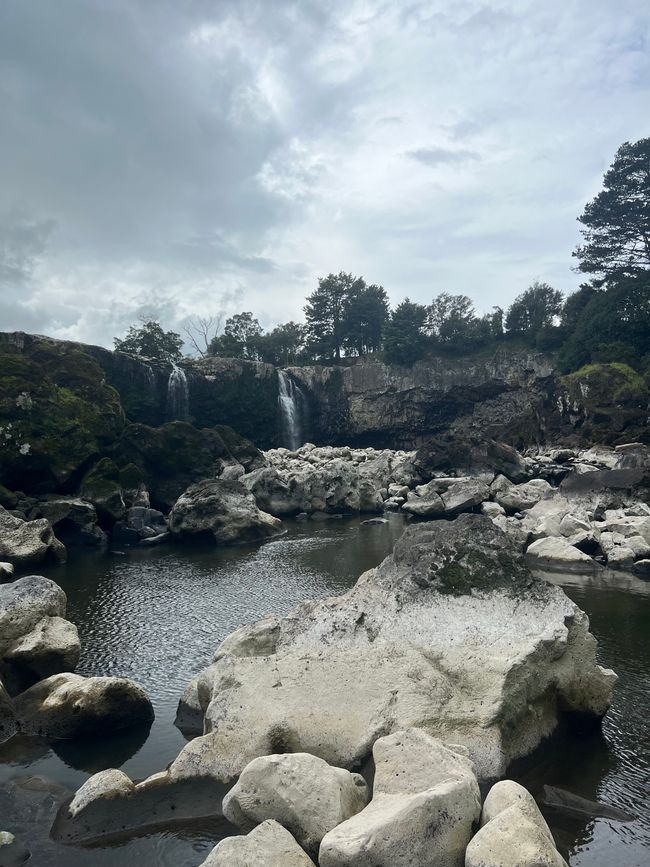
(179, 158)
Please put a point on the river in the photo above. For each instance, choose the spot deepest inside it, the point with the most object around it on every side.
(157, 615)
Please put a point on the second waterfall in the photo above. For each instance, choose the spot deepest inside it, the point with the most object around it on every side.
(293, 411)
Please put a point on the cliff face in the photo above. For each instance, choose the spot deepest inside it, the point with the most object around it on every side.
(506, 396)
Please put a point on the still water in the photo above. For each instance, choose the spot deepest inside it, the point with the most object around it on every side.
(158, 615)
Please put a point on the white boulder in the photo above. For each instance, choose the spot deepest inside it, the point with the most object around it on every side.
(268, 845)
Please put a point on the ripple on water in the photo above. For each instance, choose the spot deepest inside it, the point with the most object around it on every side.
(157, 616)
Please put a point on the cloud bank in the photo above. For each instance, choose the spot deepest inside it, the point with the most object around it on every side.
(188, 158)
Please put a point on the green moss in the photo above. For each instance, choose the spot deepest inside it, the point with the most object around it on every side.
(56, 414)
(604, 385)
(474, 571)
(131, 477)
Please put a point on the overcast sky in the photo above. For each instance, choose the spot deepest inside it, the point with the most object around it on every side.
(183, 157)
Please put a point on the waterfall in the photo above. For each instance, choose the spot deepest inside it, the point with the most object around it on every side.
(293, 406)
(178, 397)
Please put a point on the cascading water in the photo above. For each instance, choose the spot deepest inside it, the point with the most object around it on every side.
(178, 396)
(293, 405)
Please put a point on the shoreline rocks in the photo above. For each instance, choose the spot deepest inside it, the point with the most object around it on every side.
(27, 543)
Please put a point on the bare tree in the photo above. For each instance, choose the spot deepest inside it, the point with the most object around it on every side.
(200, 331)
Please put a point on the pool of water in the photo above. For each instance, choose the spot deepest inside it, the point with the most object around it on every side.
(157, 616)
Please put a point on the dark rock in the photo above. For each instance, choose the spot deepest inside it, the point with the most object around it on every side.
(101, 487)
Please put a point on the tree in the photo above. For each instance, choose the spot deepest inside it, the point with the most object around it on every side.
(150, 341)
(404, 338)
(534, 310)
(325, 312)
(620, 315)
(617, 222)
(450, 319)
(239, 339)
(282, 346)
(200, 332)
(366, 311)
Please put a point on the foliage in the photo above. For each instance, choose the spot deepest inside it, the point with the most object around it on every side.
(619, 314)
(240, 338)
(150, 341)
(365, 315)
(534, 309)
(325, 314)
(282, 346)
(616, 223)
(404, 338)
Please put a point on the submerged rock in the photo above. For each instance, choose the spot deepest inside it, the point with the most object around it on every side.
(451, 634)
(6, 571)
(425, 803)
(13, 852)
(222, 510)
(268, 845)
(27, 543)
(303, 793)
(69, 705)
(571, 804)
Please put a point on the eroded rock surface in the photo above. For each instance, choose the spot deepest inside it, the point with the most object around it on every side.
(425, 803)
(303, 793)
(451, 634)
(26, 543)
(268, 845)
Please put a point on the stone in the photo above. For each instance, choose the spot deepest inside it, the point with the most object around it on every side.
(68, 705)
(517, 498)
(557, 555)
(620, 557)
(303, 793)
(451, 633)
(224, 511)
(429, 505)
(268, 845)
(6, 571)
(492, 510)
(8, 722)
(50, 647)
(570, 525)
(511, 839)
(138, 524)
(506, 794)
(13, 852)
(28, 543)
(641, 567)
(101, 486)
(640, 547)
(464, 495)
(425, 803)
(74, 520)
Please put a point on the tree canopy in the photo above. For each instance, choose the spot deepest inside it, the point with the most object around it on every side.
(151, 341)
(616, 233)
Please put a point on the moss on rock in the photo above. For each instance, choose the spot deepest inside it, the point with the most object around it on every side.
(56, 414)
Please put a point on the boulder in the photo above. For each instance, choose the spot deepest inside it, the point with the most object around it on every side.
(451, 633)
(28, 543)
(620, 557)
(268, 845)
(13, 852)
(642, 567)
(465, 494)
(517, 498)
(425, 803)
(35, 640)
(557, 555)
(101, 486)
(428, 505)
(303, 793)
(68, 705)
(8, 723)
(513, 831)
(6, 571)
(223, 511)
(640, 547)
(74, 520)
(138, 524)
(575, 806)
(52, 646)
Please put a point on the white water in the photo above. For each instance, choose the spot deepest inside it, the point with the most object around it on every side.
(178, 397)
(292, 402)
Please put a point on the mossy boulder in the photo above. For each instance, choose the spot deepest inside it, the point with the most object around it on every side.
(102, 487)
(608, 403)
(56, 414)
(174, 456)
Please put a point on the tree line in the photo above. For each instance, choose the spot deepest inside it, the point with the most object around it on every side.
(607, 319)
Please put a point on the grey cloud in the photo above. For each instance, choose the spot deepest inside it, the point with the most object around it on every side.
(435, 156)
